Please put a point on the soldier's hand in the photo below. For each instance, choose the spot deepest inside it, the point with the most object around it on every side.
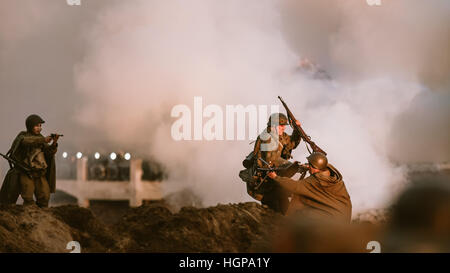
(272, 175)
(298, 123)
(304, 166)
(48, 139)
(55, 138)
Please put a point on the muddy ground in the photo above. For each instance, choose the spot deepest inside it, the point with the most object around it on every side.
(243, 227)
(149, 228)
(419, 221)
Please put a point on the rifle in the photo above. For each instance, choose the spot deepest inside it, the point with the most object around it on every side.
(54, 135)
(16, 163)
(286, 171)
(299, 129)
(267, 170)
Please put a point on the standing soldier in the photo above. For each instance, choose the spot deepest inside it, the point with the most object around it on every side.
(323, 193)
(272, 149)
(34, 166)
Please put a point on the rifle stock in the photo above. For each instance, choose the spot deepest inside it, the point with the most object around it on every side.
(303, 135)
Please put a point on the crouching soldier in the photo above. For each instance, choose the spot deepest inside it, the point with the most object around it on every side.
(323, 193)
(34, 170)
(272, 149)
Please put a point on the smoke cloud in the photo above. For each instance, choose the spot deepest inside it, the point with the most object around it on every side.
(129, 63)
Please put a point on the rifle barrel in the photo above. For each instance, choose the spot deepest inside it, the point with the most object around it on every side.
(303, 135)
(265, 162)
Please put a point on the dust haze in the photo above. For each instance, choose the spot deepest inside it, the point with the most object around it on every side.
(109, 72)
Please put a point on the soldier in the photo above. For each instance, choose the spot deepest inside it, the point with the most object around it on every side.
(323, 193)
(36, 173)
(273, 147)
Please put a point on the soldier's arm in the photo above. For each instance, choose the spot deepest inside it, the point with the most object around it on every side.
(32, 140)
(295, 139)
(294, 186)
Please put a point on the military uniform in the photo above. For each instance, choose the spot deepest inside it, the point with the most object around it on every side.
(321, 194)
(32, 151)
(275, 150)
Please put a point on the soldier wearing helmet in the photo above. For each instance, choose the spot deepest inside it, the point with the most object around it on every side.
(323, 193)
(33, 151)
(274, 147)
(317, 162)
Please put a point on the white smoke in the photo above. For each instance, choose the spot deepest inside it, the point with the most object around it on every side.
(148, 56)
(141, 58)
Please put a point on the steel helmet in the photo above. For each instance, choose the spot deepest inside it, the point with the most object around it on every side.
(32, 121)
(280, 117)
(318, 161)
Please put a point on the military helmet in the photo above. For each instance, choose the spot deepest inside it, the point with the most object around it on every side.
(318, 161)
(282, 119)
(32, 121)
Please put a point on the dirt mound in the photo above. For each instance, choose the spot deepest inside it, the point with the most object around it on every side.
(92, 234)
(243, 227)
(149, 228)
(31, 229)
(223, 228)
